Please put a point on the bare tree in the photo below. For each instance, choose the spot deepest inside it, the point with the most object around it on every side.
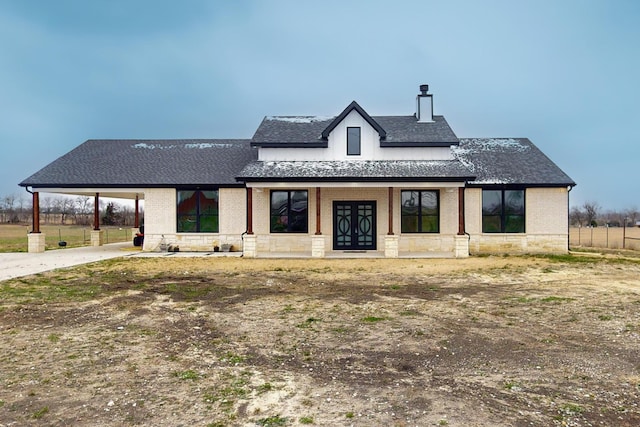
(10, 208)
(46, 207)
(65, 207)
(591, 213)
(633, 215)
(576, 216)
(83, 205)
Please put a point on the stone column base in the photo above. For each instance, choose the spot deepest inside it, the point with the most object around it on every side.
(461, 246)
(36, 242)
(391, 246)
(250, 246)
(97, 237)
(317, 246)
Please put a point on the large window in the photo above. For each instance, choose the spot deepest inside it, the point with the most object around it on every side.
(289, 212)
(503, 211)
(197, 211)
(353, 141)
(420, 212)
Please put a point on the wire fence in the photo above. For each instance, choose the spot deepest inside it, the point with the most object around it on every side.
(76, 236)
(605, 237)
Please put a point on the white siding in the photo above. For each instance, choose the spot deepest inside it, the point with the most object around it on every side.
(370, 147)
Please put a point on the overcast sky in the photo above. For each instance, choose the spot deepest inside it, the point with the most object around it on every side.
(564, 74)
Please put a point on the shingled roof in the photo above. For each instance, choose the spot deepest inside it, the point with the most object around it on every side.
(357, 170)
(149, 163)
(509, 161)
(306, 131)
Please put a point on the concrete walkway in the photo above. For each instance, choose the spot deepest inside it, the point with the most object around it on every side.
(17, 264)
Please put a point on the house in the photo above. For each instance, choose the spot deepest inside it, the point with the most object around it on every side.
(325, 186)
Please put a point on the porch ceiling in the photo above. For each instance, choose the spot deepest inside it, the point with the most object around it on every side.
(116, 193)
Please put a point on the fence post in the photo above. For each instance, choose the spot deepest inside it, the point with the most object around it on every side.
(579, 233)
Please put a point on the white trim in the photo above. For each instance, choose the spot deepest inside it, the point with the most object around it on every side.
(124, 193)
(366, 184)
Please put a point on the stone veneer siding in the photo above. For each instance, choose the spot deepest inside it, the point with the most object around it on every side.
(161, 220)
(422, 242)
(546, 224)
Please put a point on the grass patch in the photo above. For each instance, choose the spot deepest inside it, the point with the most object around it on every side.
(40, 413)
(512, 385)
(306, 420)
(234, 359)
(307, 323)
(40, 289)
(187, 375)
(14, 237)
(571, 409)
(568, 258)
(264, 388)
(373, 319)
(272, 421)
(556, 299)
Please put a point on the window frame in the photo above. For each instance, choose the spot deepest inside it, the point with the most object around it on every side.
(199, 214)
(353, 146)
(292, 218)
(506, 218)
(420, 216)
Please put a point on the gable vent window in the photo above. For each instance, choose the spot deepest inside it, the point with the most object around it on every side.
(353, 141)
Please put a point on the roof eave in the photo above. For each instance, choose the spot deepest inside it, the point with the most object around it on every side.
(319, 144)
(418, 144)
(355, 179)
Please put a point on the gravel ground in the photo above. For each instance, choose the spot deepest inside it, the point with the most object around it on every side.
(485, 341)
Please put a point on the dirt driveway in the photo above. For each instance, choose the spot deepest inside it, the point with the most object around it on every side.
(491, 341)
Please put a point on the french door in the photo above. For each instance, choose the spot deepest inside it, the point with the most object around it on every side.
(354, 225)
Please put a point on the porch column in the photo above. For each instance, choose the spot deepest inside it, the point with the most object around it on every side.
(249, 211)
(461, 241)
(136, 221)
(318, 227)
(390, 233)
(460, 211)
(36, 213)
(391, 241)
(318, 240)
(36, 239)
(96, 233)
(96, 212)
(250, 240)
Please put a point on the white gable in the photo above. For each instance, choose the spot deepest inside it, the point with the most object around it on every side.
(370, 149)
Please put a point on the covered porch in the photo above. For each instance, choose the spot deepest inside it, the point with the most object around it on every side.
(36, 238)
(354, 220)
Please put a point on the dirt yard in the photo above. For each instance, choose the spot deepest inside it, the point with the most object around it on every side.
(487, 341)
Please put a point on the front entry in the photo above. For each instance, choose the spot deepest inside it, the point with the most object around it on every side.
(354, 225)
